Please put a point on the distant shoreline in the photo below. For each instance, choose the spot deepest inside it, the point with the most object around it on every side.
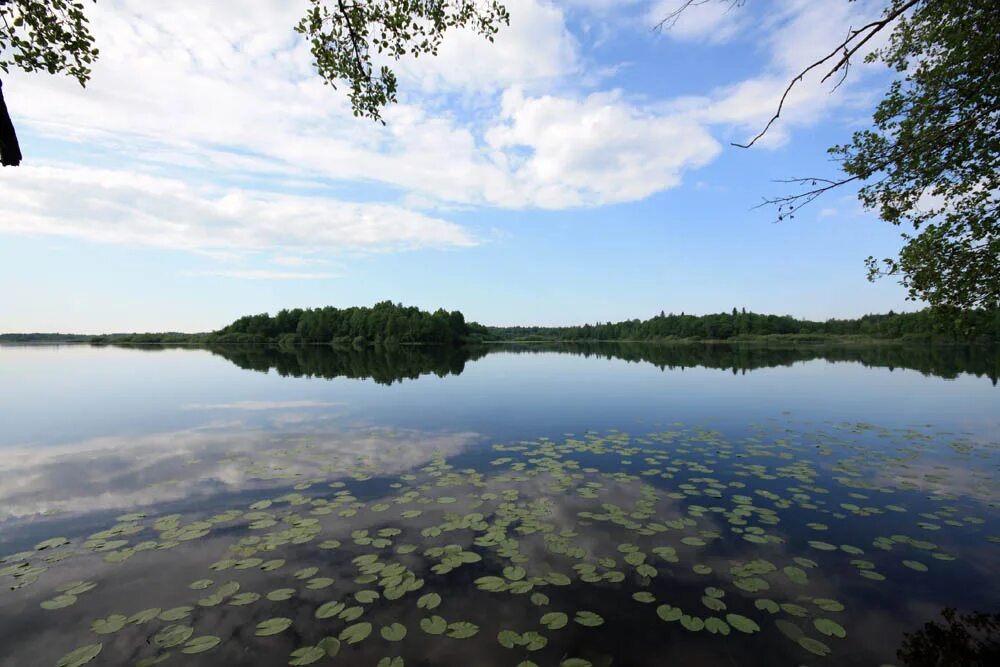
(202, 340)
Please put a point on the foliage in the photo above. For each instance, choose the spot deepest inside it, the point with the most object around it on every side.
(934, 153)
(46, 35)
(723, 326)
(350, 40)
(384, 322)
(971, 639)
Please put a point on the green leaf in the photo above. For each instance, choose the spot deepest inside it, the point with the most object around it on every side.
(588, 618)
(429, 601)
(358, 632)
(462, 630)
(172, 635)
(109, 625)
(742, 623)
(201, 645)
(692, 623)
(307, 655)
(830, 628)
(555, 620)
(272, 626)
(329, 609)
(393, 632)
(668, 613)
(80, 656)
(331, 645)
(176, 614)
(433, 625)
(814, 646)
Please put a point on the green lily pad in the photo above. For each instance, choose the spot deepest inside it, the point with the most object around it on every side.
(281, 594)
(429, 601)
(462, 630)
(826, 604)
(716, 626)
(272, 626)
(80, 656)
(145, 616)
(109, 625)
(306, 655)
(358, 632)
(588, 618)
(915, 565)
(742, 623)
(668, 613)
(331, 645)
(201, 645)
(176, 614)
(554, 620)
(393, 632)
(814, 646)
(59, 602)
(692, 623)
(329, 609)
(366, 596)
(433, 625)
(830, 628)
(508, 638)
(172, 635)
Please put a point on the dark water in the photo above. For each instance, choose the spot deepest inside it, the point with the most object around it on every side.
(625, 505)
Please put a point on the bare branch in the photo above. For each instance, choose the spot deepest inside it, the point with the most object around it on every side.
(671, 19)
(849, 46)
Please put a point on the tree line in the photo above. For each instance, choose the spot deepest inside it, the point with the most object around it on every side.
(384, 323)
(389, 324)
(927, 324)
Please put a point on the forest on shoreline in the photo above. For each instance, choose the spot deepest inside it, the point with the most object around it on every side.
(390, 324)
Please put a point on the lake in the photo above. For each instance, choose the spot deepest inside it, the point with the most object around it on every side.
(574, 505)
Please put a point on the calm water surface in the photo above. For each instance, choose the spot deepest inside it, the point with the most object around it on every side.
(611, 505)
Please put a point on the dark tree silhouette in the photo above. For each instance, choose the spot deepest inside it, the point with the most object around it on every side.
(10, 151)
(969, 640)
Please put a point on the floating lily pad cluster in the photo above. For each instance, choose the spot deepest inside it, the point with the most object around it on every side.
(682, 529)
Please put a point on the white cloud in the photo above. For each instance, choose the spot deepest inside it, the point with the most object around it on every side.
(199, 89)
(714, 21)
(261, 274)
(596, 150)
(534, 50)
(128, 207)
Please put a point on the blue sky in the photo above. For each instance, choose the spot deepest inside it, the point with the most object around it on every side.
(577, 170)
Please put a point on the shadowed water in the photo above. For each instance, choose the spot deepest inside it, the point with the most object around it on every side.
(626, 505)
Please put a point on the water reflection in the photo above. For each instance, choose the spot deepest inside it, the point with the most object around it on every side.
(386, 365)
(764, 542)
(197, 466)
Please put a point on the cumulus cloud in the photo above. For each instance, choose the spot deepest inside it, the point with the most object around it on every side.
(188, 95)
(126, 207)
(712, 21)
(595, 150)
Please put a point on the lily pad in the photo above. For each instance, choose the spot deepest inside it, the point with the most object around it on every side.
(358, 632)
(429, 601)
(554, 620)
(588, 618)
(830, 628)
(201, 645)
(272, 626)
(433, 625)
(80, 656)
(393, 632)
(462, 630)
(306, 655)
(172, 635)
